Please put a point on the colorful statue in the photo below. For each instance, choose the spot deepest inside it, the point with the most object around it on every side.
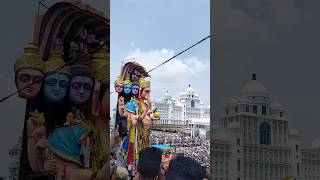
(57, 80)
(78, 149)
(29, 72)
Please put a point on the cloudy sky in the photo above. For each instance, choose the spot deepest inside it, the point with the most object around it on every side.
(278, 40)
(17, 19)
(152, 32)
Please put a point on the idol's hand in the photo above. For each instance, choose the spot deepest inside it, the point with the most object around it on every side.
(31, 126)
(149, 112)
(121, 101)
(50, 166)
(40, 147)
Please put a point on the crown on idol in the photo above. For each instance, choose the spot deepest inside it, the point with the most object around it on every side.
(29, 59)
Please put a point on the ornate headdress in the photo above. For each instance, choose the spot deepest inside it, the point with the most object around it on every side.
(55, 61)
(127, 81)
(100, 64)
(118, 80)
(81, 70)
(29, 59)
(144, 83)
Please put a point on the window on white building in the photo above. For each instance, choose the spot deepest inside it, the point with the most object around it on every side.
(264, 110)
(247, 108)
(255, 109)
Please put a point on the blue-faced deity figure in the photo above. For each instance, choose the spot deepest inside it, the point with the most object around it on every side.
(127, 86)
(56, 82)
(56, 87)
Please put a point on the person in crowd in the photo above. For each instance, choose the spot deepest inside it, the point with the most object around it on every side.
(149, 165)
(185, 168)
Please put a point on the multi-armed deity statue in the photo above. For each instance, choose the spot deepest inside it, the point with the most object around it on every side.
(134, 106)
(64, 78)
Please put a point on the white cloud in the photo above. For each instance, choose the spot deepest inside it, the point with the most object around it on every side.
(133, 44)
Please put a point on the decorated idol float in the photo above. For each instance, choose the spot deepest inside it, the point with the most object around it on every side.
(135, 114)
(63, 76)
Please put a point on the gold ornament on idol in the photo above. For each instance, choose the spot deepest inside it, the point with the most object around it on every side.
(29, 59)
(118, 80)
(56, 61)
(127, 81)
(100, 64)
(144, 83)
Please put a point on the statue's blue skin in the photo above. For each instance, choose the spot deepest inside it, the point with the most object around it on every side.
(56, 87)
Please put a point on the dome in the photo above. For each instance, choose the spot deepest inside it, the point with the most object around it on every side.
(179, 104)
(293, 132)
(254, 88)
(234, 125)
(316, 142)
(169, 102)
(189, 90)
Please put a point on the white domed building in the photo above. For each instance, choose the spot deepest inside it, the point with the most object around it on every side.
(183, 111)
(254, 142)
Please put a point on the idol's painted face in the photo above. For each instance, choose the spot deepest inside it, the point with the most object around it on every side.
(55, 88)
(80, 90)
(135, 89)
(118, 88)
(145, 93)
(127, 89)
(28, 76)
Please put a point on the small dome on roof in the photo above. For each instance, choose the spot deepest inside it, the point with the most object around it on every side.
(189, 90)
(254, 88)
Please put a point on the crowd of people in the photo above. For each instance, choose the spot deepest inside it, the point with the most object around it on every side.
(197, 148)
(150, 167)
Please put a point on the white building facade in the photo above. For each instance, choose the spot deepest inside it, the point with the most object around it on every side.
(183, 110)
(252, 141)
